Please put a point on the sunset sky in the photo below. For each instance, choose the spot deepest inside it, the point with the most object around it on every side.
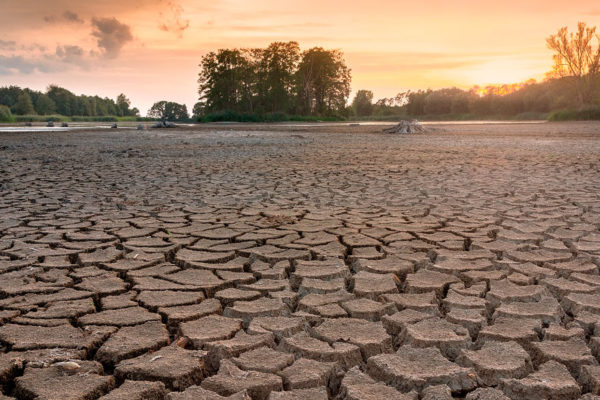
(150, 49)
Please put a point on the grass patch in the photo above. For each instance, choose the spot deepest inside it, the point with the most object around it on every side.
(588, 114)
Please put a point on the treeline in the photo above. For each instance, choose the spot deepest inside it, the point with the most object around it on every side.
(57, 100)
(279, 79)
(529, 99)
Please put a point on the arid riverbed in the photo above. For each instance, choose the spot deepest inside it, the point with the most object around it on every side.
(301, 262)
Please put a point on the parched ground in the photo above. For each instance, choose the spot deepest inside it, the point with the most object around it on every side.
(301, 262)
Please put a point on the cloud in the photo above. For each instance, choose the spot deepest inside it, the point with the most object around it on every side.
(17, 64)
(7, 44)
(71, 54)
(67, 16)
(72, 17)
(111, 35)
(172, 19)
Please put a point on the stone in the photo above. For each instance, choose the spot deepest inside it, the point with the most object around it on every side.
(414, 368)
(447, 337)
(589, 378)
(371, 286)
(230, 380)
(367, 309)
(263, 307)
(132, 341)
(395, 324)
(305, 373)
(424, 281)
(234, 347)
(198, 393)
(280, 326)
(436, 392)
(496, 361)
(54, 382)
(263, 359)
(551, 381)
(137, 390)
(177, 314)
(168, 298)
(28, 337)
(175, 367)
(300, 394)
(522, 331)
(572, 353)
(209, 329)
(370, 337)
(302, 345)
(486, 394)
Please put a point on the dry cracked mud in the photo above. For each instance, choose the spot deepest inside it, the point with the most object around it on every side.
(301, 262)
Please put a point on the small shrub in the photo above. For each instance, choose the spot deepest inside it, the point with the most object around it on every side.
(5, 114)
(588, 114)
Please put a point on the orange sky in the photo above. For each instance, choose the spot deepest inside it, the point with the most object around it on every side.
(150, 49)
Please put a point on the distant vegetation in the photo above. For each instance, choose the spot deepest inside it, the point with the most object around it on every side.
(61, 103)
(571, 91)
(280, 83)
(275, 83)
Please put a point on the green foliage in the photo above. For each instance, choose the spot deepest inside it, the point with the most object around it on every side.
(42, 118)
(24, 104)
(275, 79)
(587, 114)
(5, 114)
(232, 116)
(362, 104)
(168, 110)
(44, 105)
(61, 101)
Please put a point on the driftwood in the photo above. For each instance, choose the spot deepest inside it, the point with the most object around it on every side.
(406, 127)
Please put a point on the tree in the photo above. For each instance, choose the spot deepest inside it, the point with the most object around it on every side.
(323, 81)
(275, 68)
(45, 105)
(363, 103)
(169, 111)
(227, 79)
(577, 55)
(5, 114)
(198, 110)
(123, 105)
(24, 106)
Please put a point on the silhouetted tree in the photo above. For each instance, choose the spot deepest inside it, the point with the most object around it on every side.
(577, 55)
(168, 110)
(323, 82)
(362, 105)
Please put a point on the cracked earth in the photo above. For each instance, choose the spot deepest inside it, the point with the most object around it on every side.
(301, 263)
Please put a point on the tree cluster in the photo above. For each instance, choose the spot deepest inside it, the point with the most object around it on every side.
(57, 100)
(168, 111)
(279, 78)
(491, 101)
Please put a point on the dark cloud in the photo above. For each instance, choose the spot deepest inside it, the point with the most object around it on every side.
(16, 64)
(111, 34)
(72, 17)
(71, 54)
(66, 17)
(7, 44)
(172, 19)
